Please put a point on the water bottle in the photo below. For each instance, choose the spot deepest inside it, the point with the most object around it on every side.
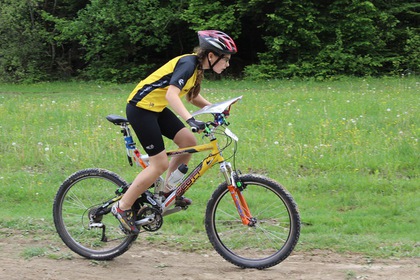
(159, 185)
(176, 177)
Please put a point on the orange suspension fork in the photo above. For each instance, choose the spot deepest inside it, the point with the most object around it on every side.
(241, 205)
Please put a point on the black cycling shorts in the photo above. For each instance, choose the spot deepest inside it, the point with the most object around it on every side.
(149, 127)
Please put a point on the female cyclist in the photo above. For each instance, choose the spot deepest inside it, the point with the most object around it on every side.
(149, 115)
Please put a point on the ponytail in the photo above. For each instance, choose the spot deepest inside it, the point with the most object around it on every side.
(195, 90)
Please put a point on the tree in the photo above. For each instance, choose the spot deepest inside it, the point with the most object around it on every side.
(359, 40)
(290, 32)
(120, 38)
(21, 48)
(330, 38)
(123, 40)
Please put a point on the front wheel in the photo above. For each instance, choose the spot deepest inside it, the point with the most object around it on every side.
(82, 215)
(269, 239)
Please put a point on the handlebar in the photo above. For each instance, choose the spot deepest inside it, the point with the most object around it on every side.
(219, 110)
(207, 129)
(218, 121)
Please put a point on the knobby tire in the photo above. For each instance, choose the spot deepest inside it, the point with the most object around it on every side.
(78, 196)
(264, 245)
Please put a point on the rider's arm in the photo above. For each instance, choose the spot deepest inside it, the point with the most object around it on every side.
(200, 101)
(172, 95)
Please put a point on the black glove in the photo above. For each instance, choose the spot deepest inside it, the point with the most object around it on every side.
(196, 125)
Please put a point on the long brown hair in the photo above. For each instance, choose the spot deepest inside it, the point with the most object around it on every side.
(195, 90)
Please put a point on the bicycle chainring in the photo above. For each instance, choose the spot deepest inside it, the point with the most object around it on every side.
(150, 212)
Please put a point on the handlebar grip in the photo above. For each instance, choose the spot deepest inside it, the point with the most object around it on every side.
(207, 127)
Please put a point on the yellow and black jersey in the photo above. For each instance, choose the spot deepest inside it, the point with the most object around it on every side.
(150, 93)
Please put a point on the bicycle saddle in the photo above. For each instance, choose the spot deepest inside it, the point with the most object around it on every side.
(117, 120)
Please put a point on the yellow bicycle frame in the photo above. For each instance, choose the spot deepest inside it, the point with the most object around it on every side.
(213, 158)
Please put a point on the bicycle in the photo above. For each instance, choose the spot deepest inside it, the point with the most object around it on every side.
(251, 221)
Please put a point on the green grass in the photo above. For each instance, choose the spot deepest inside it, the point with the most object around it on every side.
(347, 150)
(32, 252)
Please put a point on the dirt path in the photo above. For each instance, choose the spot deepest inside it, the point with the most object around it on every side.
(146, 263)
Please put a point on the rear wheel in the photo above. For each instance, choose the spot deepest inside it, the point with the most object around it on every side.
(82, 217)
(266, 243)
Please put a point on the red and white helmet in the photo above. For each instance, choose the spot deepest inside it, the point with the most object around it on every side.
(217, 42)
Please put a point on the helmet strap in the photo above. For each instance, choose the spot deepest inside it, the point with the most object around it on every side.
(217, 60)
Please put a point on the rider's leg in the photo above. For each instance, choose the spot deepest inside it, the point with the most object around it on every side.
(184, 138)
(122, 210)
(158, 165)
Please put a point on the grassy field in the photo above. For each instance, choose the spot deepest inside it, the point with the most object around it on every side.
(348, 151)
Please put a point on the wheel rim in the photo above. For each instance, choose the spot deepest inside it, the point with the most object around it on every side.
(78, 232)
(270, 235)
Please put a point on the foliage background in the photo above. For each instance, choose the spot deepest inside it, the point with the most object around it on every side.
(123, 40)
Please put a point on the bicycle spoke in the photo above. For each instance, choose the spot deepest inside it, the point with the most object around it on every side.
(263, 244)
(78, 198)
